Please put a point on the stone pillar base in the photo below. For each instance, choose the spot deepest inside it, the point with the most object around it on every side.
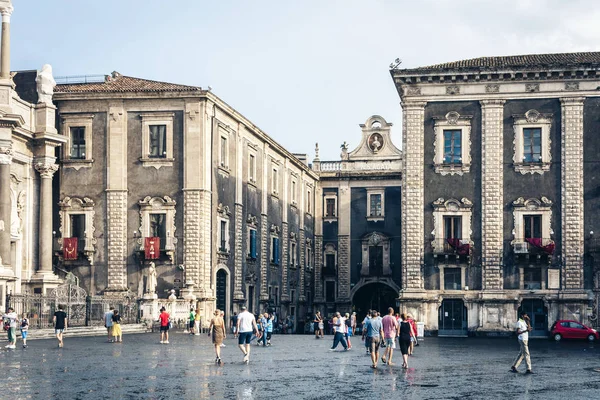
(149, 307)
(45, 280)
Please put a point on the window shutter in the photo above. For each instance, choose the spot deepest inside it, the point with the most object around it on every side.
(276, 254)
(252, 243)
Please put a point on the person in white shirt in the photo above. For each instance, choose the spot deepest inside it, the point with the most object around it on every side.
(523, 329)
(246, 325)
(11, 317)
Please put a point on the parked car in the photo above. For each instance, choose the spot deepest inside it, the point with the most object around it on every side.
(567, 329)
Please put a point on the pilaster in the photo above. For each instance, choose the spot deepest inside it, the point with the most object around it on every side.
(6, 154)
(285, 238)
(492, 143)
(343, 250)
(264, 257)
(238, 294)
(302, 295)
(191, 235)
(572, 191)
(412, 195)
(319, 297)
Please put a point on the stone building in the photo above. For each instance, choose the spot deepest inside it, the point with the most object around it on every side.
(230, 212)
(28, 139)
(500, 194)
(359, 201)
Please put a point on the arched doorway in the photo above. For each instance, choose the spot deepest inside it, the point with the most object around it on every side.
(538, 313)
(452, 318)
(222, 290)
(373, 296)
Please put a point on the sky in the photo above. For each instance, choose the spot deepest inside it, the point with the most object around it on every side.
(304, 71)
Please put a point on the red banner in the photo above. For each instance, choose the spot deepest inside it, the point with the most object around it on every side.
(152, 248)
(70, 248)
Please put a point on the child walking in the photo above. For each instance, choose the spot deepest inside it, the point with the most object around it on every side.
(24, 330)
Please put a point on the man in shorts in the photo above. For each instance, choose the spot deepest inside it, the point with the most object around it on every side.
(60, 324)
(234, 320)
(246, 325)
(390, 329)
(374, 333)
(164, 319)
(108, 323)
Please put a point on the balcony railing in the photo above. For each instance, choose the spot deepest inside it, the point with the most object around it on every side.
(461, 247)
(331, 165)
(535, 246)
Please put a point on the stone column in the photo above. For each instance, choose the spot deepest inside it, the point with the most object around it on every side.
(6, 154)
(572, 191)
(318, 267)
(116, 198)
(412, 195)
(285, 232)
(6, 12)
(46, 167)
(302, 238)
(238, 294)
(343, 250)
(264, 226)
(492, 200)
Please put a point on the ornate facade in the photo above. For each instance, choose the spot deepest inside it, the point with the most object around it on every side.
(500, 191)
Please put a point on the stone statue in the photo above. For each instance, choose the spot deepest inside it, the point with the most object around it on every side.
(45, 84)
(172, 296)
(151, 288)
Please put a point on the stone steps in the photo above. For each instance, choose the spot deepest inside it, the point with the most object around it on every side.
(80, 331)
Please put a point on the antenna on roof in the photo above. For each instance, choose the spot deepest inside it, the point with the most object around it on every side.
(396, 63)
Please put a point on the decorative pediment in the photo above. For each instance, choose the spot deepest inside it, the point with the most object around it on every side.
(156, 202)
(75, 203)
(376, 142)
(533, 204)
(452, 204)
(223, 211)
(275, 229)
(252, 220)
(293, 236)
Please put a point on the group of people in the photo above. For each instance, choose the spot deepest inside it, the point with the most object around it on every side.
(112, 323)
(11, 321)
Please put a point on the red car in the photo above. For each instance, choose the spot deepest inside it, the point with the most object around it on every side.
(572, 330)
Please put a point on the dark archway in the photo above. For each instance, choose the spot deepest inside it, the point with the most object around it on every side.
(373, 296)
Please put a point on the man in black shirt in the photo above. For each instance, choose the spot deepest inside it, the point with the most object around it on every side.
(60, 324)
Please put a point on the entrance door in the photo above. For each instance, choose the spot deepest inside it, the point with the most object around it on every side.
(452, 318)
(222, 290)
(538, 314)
(374, 296)
(375, 260)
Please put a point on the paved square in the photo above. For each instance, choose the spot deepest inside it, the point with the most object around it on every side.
(295, 367)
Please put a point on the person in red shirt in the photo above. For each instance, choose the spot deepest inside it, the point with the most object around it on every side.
(413, 339)
(164, 326)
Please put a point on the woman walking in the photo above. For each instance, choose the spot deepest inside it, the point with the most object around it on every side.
(116, 331)
(217, 330)
(406, 334)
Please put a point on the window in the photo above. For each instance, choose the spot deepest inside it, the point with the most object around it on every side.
(532, 142)
(223, 234)
(276, 296)
(452, 144)
(532, 145)
(293, 295)
(77, 220)
(77, 128)
(158, 228)
(78, 143)
(308, 202)
(275, 251)
(252, 168)
(158, 220)
(294, 199)
(275, 181)
(533, 226)
(329, 291)
(452, 226)
(252, 244)
(293, 253)
(330, 208)
(375, 205)
(452, 279)
(308, 256)
(330, 261)
(223, 153)
(532, 278)
(251, 298)
(78, 229)
(158, 141)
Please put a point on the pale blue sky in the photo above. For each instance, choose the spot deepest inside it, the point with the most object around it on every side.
(303, 71)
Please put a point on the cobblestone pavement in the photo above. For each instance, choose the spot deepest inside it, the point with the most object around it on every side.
(295, 367)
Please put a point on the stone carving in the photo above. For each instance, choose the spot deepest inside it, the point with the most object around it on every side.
(532, 116)
(151, 287)
(375, 142)
(413, 91)
(532, 87)
(452, 117)
(45, 84)
(344, 154)
(571, 85)
(223, 210)
(6, 154)
(316, 150)
(492, 88)
(452, 89)
(275, 229)
(46, 170)
(251, 220)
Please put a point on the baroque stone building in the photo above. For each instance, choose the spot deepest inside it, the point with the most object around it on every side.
(230, 211)
(500, 192)
(28, 139)
(360, 206)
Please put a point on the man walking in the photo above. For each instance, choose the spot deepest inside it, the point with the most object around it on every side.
(339, 329)
(523, 328)
(108, 323)
(390, 329)
(374, 332)
(60, 324)
(246, 325)
(11, 316)
(364, 326)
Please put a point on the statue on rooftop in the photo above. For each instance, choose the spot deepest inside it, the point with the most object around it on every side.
(45, 84)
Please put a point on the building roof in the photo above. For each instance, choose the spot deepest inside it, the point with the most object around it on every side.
(121, 83)
(531, 61)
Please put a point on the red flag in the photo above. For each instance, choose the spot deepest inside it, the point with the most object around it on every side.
(70, 248)
(152, 248)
